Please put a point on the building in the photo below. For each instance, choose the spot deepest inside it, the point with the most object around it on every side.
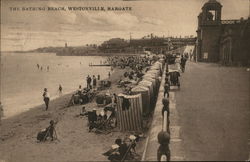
(224, 41)
(114, 45)
(154, 44)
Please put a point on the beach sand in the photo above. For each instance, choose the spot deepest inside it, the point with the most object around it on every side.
(18, 134)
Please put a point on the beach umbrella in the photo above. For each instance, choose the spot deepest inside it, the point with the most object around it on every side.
(145, 94)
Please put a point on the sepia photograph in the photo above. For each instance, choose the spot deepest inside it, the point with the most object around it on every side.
(124, 80)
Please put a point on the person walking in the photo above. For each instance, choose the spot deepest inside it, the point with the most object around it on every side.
(98, 77)
(46, 98)
(94, 81)
(166, 89)
(183, 63)
(60, 89)
(1, 112)
(89, 82)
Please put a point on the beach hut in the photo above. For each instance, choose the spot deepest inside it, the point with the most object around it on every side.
(153, 77)
(129, 112)
(156, 75)
(145, 94)
(162, 61)
(158, 63)
(155, 72)
(155, 88)
(152, 73)
(156, 67)
(151, 80)
(149, 85)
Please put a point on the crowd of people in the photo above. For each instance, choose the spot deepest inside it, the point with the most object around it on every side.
(100, 122)
(134, 62)
(104, 121)
(92, 82)
(82, 95)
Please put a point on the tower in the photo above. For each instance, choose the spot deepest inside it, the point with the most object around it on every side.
(208, 32)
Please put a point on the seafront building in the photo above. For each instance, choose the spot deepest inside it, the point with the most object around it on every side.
(150, 43)
(224, 41)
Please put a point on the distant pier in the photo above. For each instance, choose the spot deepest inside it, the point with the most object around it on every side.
(99, 64)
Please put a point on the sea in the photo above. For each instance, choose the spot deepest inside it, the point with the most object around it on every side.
(22, 82)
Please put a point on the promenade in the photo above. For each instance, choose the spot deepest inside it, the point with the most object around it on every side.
(209, 115)
(213, 113)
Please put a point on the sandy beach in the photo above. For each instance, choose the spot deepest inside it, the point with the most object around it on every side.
(18, 134)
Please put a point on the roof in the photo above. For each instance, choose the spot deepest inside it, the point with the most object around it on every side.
(233, 21)
(212, 3)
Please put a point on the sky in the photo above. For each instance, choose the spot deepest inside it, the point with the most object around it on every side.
(26, 30)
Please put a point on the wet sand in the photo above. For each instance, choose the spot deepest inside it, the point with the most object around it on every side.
(18, 134)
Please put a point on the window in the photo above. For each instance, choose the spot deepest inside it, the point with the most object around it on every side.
(211, 15)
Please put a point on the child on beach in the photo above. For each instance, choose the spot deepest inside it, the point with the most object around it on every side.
(79, 91)
(46, 98)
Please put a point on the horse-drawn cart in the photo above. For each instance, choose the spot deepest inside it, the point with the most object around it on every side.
(174, 78)
(174, 74)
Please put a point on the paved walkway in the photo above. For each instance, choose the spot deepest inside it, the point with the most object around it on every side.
(211, 117)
